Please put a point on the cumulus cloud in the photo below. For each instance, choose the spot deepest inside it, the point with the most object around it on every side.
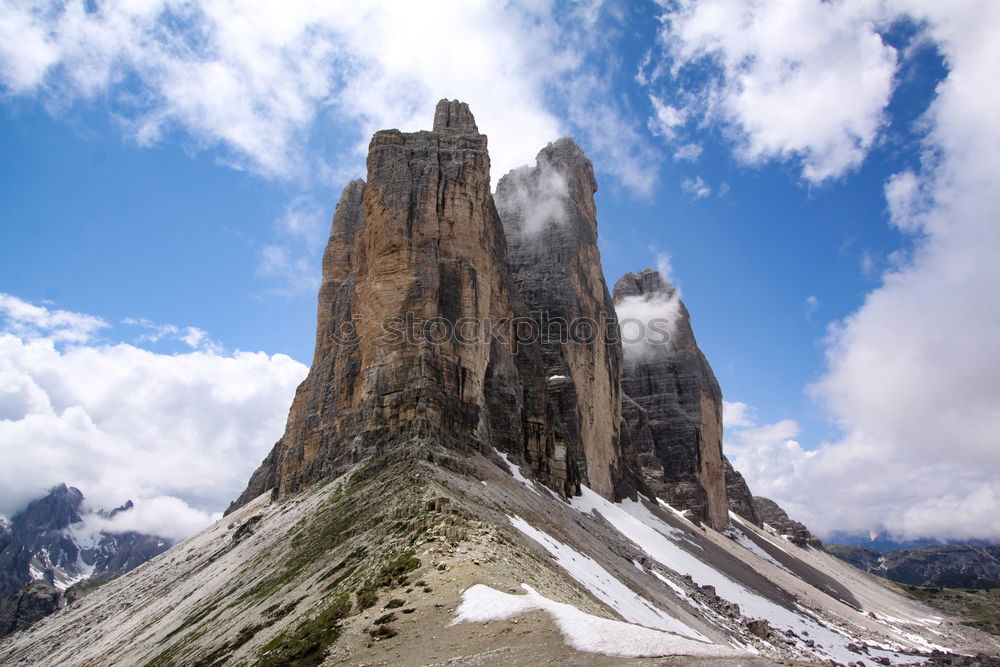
(736, 414)
(808, 80)
(910, 376)
(269, 82)
(178, 434)
(31, 321)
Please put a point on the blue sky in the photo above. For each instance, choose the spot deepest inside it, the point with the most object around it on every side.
(817, 176)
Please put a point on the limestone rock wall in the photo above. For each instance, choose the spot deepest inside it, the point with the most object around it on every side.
(550, 220)
(415, 335)
(673, 385)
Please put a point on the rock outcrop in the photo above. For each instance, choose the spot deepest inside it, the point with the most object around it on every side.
(416, 336)
(773, 515)
(550, 220)
(32, 603)
(668, 377)
(740, 498)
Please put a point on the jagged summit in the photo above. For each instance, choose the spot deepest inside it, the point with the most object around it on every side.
(454, 116)
(644, 283)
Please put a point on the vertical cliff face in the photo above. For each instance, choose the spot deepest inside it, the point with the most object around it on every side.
(414, 313)
(677, 397)
(550, 221)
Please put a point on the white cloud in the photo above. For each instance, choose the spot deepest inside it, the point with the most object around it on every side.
(808, 79)
(163, 516)
(690, 152)
(270, 82)
(667, 118)
(666, 269)
(906, 201)
(26, 319)
(649, 321)
(535, 197)
(178, 434)
(910, 377)
(736, 414)
(696, 187)
(193, 337)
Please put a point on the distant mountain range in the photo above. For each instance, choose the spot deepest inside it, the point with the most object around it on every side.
(945, 566)
(887, 543)
(45, 553)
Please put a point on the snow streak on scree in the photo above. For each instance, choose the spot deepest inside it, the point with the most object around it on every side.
(582, 631)
(605, 586)
(638, 524)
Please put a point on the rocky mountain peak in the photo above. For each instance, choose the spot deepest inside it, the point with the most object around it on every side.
(56, 510)
(648, 282)
(773, 515)
(454, 116)
(676, 396)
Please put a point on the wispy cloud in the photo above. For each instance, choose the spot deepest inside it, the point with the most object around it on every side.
(696, 187)
(30, 321)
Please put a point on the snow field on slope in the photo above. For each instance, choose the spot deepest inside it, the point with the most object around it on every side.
(638, 524)
(605, 586)
(582, 631)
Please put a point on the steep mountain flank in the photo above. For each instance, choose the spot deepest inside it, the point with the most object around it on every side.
(671, 381)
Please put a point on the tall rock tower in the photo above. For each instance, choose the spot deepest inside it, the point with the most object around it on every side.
(550, 220)
(416, 340)
(676, 405)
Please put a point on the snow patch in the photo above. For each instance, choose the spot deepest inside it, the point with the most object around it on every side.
(605, 586)
(744, 541)
(582, 631)
(516, 472)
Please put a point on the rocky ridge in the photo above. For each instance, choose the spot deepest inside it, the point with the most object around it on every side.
(679, 398)
(945, 566)
(773, 515)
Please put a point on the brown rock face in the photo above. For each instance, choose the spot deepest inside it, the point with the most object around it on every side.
(550, 220)
(416, 328)
(678, 401)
